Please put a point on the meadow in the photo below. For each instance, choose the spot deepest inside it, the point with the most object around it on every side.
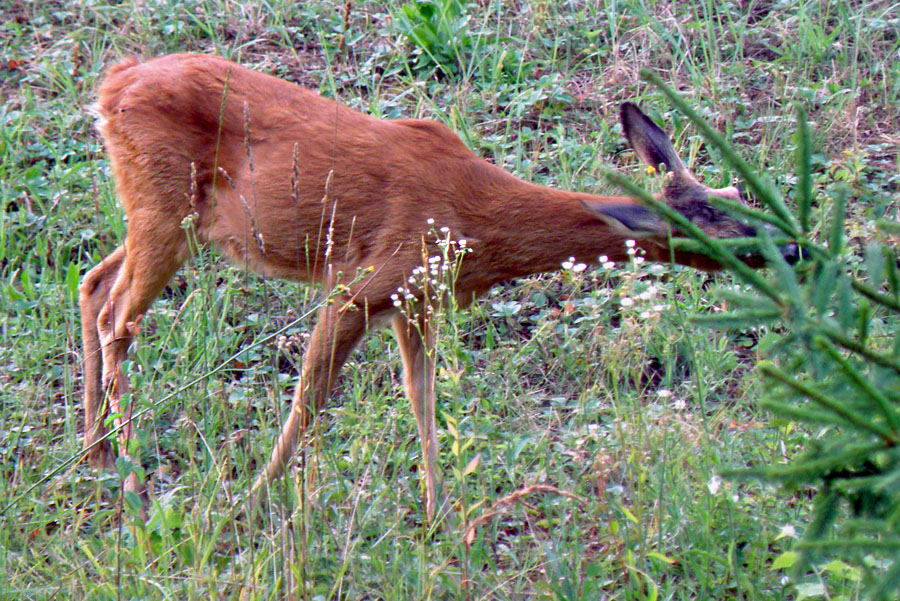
(585, 418)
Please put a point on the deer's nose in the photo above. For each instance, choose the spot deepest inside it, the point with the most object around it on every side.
(790, 252)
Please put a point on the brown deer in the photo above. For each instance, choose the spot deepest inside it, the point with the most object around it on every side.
(293, 185)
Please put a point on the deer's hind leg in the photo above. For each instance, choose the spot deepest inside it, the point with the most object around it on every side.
(138, 271)
(93, 294)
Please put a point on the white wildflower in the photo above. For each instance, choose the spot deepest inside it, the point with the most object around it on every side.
(788, 531)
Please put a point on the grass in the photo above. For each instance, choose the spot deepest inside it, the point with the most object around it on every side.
(598, 429)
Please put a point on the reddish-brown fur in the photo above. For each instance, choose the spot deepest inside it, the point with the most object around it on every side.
(372, 183)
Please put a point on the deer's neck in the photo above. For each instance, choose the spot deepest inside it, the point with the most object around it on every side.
(525, 228)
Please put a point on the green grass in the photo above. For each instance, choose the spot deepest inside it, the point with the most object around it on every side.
(548, 381)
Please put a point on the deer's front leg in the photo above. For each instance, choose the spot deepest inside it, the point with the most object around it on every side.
(416, 342)
(338, 329)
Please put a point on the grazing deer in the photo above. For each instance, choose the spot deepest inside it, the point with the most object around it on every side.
(293, 185)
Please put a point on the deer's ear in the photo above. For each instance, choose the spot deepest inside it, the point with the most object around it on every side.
(649, 142)
(627, 219)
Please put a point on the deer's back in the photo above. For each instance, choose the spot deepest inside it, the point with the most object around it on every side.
(280, 146)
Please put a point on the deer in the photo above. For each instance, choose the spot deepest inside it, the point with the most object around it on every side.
(290, 184)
